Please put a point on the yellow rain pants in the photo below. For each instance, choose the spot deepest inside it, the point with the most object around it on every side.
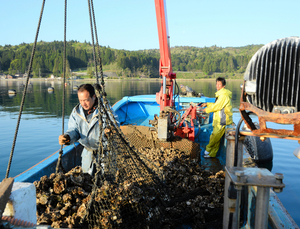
(214, 140)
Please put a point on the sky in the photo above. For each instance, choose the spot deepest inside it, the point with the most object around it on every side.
(131, 24)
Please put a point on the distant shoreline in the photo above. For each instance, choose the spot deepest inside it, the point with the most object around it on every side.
(133, 79)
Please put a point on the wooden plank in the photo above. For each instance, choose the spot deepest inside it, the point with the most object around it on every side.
(5, 190)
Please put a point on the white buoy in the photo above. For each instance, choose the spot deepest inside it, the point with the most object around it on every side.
(12, 92)
(50, 89)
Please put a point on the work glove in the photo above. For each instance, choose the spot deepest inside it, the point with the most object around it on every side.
(64, 139)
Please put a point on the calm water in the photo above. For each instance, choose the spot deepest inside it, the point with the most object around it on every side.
(41, 124)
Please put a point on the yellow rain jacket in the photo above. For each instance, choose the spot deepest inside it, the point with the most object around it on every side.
(222, 109)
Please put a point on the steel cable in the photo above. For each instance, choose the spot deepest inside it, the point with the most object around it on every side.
(59, 164)
(93, 42)
(25, 90)
(100, 150)
(98, 50)
(109, 146)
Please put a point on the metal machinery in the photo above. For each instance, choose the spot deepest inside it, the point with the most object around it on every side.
(271, 88)
(270, 91)
(170, 121)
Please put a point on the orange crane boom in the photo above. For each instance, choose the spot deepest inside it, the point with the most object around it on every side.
(165, 96)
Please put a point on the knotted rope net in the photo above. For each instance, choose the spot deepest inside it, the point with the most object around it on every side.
(126, 193)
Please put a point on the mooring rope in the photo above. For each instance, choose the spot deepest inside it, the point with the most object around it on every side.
(25, 90)
(59, 164)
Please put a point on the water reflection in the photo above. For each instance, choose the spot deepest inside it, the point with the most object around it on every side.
(39, 95)
(11, 95)
(41, 124)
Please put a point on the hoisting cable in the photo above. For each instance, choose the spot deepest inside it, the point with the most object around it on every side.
(94, 28)
(101, 95)
(59, 164)
(92, 36)
(25, 90)
(91, 10)
(98, 51)
(106, 144)
(106, 116)
(99, 154)
(100, 121)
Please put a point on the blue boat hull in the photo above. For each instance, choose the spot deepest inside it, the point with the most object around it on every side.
(138, 110)
(71, 158)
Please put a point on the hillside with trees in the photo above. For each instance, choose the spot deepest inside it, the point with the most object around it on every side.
(193, 62)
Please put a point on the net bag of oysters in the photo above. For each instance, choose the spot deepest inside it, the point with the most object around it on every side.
(131, 188)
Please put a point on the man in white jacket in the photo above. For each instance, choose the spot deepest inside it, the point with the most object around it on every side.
(84, 127)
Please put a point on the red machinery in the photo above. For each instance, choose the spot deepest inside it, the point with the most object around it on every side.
(165, 96)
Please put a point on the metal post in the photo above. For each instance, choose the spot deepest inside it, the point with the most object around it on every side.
(240, 152)
(262, 207)
(229, 163)
(164, 84)
(236, 216)
(228, 209)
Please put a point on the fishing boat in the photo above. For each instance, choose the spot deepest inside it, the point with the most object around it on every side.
(249, 201)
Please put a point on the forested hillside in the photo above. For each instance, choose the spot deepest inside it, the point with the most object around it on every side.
(49, 59)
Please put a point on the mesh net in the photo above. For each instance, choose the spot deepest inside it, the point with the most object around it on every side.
(126, 192)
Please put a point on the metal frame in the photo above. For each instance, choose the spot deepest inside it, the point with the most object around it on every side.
(238, 177)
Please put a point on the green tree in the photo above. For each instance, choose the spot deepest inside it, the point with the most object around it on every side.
(55, 69)
(90, 72)
(16, 65)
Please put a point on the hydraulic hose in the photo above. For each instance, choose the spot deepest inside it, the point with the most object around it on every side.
(237, 132)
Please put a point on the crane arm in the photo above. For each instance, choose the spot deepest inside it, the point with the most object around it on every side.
(165, 96)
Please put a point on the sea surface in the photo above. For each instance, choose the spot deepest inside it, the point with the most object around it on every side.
(41, 124)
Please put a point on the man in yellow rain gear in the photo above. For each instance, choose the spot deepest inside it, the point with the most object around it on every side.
(222, 109)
